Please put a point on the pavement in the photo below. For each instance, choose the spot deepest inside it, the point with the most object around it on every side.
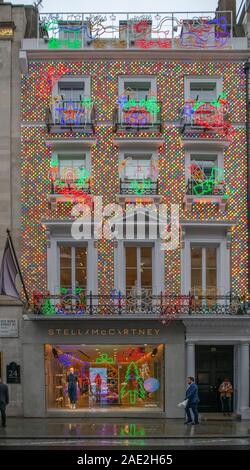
(121, 433)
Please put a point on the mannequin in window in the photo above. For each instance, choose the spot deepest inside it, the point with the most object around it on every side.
(72, 380)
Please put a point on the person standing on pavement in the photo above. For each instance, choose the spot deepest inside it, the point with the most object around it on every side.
(193, 400)
(4, 401)
(226, 391)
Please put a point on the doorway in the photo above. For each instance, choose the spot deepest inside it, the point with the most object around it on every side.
(213, 364)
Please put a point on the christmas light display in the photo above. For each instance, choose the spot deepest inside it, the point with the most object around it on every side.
(145, 31)
(104, 358)
(133, 386)
(36, 156)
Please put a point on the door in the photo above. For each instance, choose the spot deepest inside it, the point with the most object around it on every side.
(213, 365)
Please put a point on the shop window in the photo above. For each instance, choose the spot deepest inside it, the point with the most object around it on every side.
(73, 267)
(90, 377)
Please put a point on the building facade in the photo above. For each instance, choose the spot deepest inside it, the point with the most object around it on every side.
(134, 222)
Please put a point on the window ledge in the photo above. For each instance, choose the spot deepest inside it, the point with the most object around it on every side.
(190, 199)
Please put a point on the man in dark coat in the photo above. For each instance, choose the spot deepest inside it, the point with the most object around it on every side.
(193, 400)
(4, 401)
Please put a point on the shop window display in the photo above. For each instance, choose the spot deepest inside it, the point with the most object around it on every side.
(94, 376)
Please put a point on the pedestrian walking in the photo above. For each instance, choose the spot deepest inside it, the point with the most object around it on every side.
(193, 400)
(4, 401)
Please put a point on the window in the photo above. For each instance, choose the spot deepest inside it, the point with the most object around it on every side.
(203, 270)
(202, 89)
(71, 90)
(71, 168)
(138, 167)
(138, 268)
(73, 267)
(131, 379)
(137, 90)
(204, 163)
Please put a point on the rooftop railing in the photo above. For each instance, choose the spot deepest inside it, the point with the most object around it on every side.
(142, 30)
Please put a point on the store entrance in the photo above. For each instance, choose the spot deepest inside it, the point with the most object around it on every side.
(213, 365)
(101, 376)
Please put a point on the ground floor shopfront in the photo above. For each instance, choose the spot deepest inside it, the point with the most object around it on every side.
(133, 367)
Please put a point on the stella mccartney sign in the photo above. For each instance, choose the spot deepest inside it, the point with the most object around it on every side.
(104, 332)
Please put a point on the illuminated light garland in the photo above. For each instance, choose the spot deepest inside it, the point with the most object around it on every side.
(36, 156)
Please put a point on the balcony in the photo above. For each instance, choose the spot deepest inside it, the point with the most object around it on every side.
(143, 31)
(135, 304)
(71, 116)
(69, 192)
(136, 116)
(135, 191)
(205, 117)
(206, 191)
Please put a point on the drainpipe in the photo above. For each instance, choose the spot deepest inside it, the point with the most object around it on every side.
(247, 72)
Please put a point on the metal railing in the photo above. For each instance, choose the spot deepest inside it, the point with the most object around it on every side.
(138, 30)
(138, 187)
(137, 115)
(70, 188)
(204, 116)
(201, 188)
(144, 303)
(73, 115)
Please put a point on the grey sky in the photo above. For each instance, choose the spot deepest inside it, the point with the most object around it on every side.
(126, 5)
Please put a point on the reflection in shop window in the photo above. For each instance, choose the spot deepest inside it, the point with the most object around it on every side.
(94, 376)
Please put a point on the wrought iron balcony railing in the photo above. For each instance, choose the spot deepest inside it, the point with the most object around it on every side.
(209, 116)
(206, 187)
(144, 303)
(71, 115)
(71, 188)
(136, 115)
(143, 30)
(138, 187)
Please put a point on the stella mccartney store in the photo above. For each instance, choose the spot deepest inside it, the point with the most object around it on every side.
(121, 367)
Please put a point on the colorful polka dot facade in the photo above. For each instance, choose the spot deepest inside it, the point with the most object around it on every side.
(36, 92)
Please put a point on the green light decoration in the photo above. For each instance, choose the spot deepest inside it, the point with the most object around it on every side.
(54, 162)
(131, 431)
(149, 104)
(86, 103)
(104, 358)
(138, 391)
(54, 28)
(48, 308)
(210, 185)
(139, 187)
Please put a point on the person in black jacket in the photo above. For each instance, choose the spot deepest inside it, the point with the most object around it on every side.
(4, 400)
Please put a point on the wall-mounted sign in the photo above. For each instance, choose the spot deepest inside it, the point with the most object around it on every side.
(13, 373)
(104, 332)
(8, 328)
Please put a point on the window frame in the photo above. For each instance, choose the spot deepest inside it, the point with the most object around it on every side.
(217, 154)
(73, 153)
(137, 78)
(73, 246)
(124, 154)
(202, 78)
